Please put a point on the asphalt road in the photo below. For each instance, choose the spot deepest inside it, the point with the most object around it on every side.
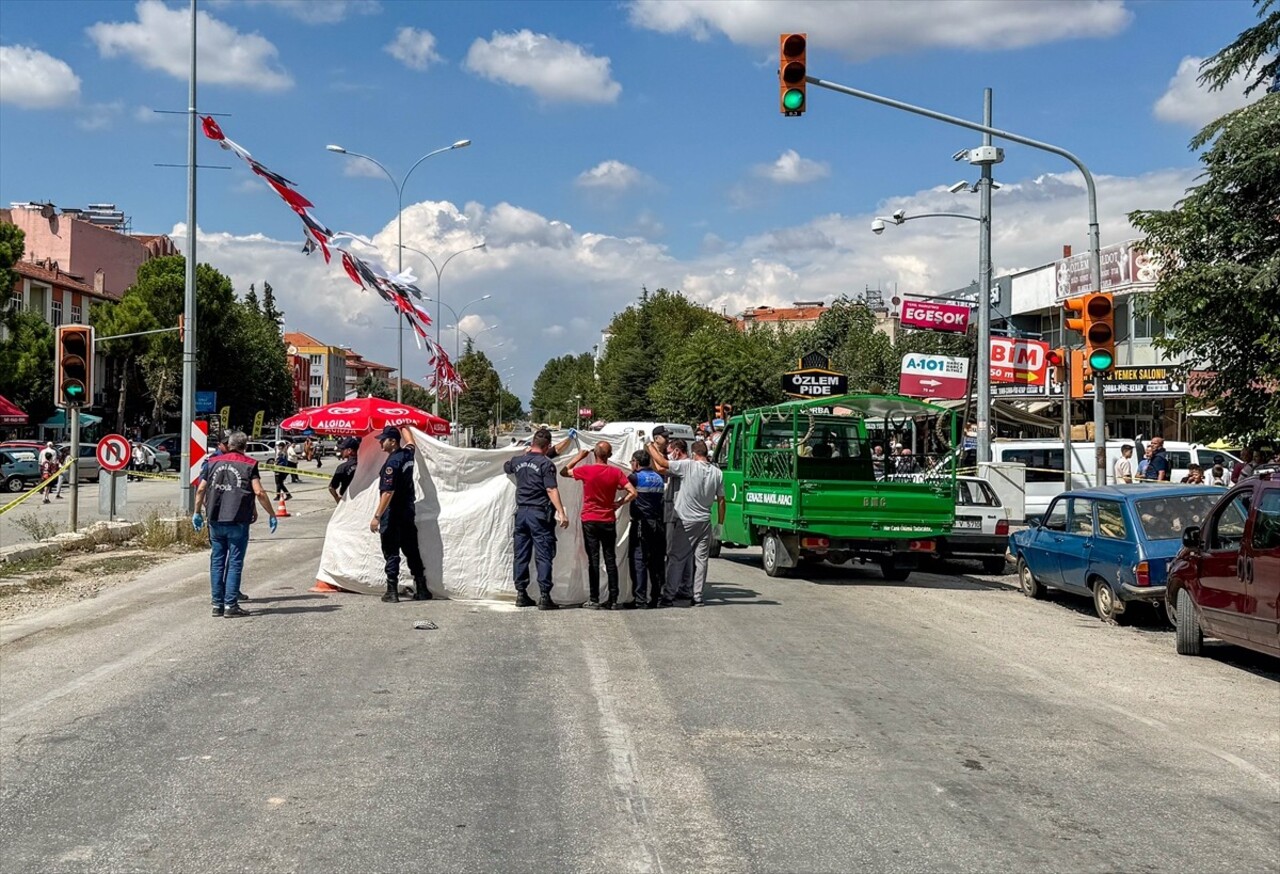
(835, 723)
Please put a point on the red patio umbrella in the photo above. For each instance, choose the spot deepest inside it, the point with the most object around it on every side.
(10, 414)
(360, 416)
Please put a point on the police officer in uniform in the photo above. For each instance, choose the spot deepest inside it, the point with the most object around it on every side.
(394, 517)
(538, 510)
(341, 479)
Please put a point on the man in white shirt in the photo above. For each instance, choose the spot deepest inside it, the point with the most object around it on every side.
(689, 529)
(1124, 465)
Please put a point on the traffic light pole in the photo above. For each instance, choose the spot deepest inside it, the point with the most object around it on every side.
(1095, 245)
(73, 413)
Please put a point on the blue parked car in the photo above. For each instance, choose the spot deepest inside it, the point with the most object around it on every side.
(1113, 543)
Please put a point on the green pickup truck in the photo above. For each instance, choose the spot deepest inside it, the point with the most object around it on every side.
(800, 481)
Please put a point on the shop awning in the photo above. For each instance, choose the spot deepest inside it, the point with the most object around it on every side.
(10, 414)
(59, 420)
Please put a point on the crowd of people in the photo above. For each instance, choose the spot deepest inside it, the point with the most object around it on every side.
(1155, 466)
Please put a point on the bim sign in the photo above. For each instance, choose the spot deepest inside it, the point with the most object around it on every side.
(814, 383)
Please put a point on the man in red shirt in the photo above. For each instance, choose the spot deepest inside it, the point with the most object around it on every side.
(601, 483)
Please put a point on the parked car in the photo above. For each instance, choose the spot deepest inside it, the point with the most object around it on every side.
(19, 469)
(33, 445)
(1113, 543)
(1225, 581)
(981, 530)
(168, 443)
(259, 452)
(155, 458)
(88, 469)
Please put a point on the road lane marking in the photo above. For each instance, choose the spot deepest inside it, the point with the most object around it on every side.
(624, 776)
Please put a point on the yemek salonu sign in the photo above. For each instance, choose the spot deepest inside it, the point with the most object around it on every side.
(814, 379)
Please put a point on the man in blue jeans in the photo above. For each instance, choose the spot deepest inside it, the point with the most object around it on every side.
(538, 511)
(226, 495)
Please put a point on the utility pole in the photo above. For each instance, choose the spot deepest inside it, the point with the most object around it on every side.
(186, 493)
(988, 157)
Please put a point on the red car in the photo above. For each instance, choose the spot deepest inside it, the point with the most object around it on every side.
(1226, 580)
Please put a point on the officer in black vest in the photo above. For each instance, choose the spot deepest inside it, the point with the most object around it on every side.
(394, 517)
(538, 511)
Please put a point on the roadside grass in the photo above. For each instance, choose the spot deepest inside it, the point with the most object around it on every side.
(161, 533)
(35, 527)
(118, 564)
(21, 577)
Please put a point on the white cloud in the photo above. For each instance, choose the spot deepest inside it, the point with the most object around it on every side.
(555, 287)
(860, 30)
(160, 40)
(31, 79)
(553, 69)
(99, 116)
(311, 11)
(360, 168)
(791, 169)
(414, 48)
(610, 176)
(1186, 102)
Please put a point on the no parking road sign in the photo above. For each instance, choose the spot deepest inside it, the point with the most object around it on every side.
(114, 452)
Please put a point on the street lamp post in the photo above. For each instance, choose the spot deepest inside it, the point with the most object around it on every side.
(435, 408)
(983, 365)
(399, 186)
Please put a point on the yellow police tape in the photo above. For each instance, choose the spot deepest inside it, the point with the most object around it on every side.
(314, 474)
(36, 490)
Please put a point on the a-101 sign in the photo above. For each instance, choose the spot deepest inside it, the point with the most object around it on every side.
(814, 383)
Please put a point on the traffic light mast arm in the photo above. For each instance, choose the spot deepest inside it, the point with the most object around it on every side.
(97, 340)
(1095, 245)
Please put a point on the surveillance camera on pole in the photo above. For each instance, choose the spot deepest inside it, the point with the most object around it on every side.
(962, 185)
(877, 226)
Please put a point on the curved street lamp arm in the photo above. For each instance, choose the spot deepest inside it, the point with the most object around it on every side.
(380, 166)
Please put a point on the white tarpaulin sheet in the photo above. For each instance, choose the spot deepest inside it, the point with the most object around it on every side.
(465, 512)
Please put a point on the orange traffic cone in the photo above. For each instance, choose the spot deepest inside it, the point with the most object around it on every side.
(281, 510)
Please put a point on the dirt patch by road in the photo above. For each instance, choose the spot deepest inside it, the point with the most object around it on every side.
(28, 587)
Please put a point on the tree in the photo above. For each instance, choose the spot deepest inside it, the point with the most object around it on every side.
(12, 246)
(239, 353)
(565, 384)
(273, 315)
(641, 338)
(251, 299)
(477, 406)
(1219, 248)
(847, 333)
(26, 364)
(372, 386)
(415, 396)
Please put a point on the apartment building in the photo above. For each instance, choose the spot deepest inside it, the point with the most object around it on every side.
(326, 370)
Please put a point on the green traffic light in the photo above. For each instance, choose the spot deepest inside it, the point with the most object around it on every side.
(793, 100)
(1101, 359)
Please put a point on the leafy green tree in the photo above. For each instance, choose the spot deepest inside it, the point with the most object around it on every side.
(269, 310)
(239, 352)
(26, 364)
(416, 396)
(564, 384)
(719, 363)
(641, 338)
(372, 386)
(847, 333)
(1220, 249)
(477, 406)
(251, 299)
(12, 246)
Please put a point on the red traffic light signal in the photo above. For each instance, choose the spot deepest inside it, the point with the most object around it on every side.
(1057, 359)
(72, 365)
(791, 73)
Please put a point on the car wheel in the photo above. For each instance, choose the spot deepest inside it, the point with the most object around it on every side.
(893, 573)
(1171, 611)
(1027, 581)
(1105, 602)
(14, 484)
(1190, 636)
(771, 551)
(994, 565)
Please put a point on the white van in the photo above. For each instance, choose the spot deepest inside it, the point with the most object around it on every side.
(646, 428)
(1043, 460)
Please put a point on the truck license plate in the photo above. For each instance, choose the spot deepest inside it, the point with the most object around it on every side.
(968, 524)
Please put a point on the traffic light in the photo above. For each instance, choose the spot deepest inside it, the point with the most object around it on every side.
(720, 411)
(1100, 332)
(791, 73)
(728, 411)
(73, 365)
(1057, 359)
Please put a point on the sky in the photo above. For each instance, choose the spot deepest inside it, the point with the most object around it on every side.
(615, 145)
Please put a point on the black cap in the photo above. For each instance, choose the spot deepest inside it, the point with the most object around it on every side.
(348, 443)
(391, 432)
(660, 431)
